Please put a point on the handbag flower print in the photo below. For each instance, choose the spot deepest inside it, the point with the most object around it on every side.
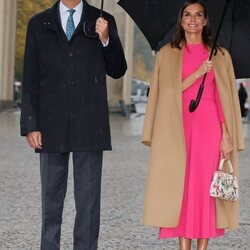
(224, 185)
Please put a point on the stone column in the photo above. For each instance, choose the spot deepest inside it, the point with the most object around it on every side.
(120, 90)
(8, 11)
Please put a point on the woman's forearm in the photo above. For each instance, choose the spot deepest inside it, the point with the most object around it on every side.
(224, 130)
(205, 67)
(187, 82)
(226, 146)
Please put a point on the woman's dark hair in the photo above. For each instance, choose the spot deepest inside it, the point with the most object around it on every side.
(179, 38)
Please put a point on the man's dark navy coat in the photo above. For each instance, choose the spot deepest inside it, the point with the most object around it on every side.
(64, 84)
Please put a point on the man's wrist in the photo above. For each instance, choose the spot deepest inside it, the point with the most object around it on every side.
(105, 42)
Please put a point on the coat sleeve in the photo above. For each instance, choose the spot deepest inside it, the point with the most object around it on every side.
(30, 85)
(114, 58)
(236, 104)
(151, 105)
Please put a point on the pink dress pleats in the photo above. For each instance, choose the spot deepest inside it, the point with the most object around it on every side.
(202, 136)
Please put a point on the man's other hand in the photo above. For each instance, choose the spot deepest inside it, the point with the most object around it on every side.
(35, 139)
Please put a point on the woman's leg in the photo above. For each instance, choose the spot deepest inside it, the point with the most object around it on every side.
(185, 244)
(202, 244)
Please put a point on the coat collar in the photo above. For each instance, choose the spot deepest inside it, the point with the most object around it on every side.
(52, 20)
(216, 64)
(177, 55)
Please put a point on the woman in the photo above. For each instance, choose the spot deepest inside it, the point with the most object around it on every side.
(186, 147)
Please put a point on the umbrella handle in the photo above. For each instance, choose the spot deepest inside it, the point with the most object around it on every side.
(86, 33)
(195, 103)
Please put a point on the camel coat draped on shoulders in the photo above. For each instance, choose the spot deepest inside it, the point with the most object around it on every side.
(163, 131)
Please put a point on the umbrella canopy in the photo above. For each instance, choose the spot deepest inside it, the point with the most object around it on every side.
(157, 18)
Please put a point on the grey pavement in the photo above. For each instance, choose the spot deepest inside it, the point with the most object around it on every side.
(124, 174)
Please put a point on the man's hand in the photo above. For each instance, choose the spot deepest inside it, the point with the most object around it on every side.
(35, 139)
(102, 29)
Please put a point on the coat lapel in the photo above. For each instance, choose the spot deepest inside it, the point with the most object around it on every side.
(176, 72)
(52, 22)
(220, 76)
(52, 19)
(85, 12)
(87, 16)
(215, 66)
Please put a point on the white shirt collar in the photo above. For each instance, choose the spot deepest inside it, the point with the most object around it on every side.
(63, 8)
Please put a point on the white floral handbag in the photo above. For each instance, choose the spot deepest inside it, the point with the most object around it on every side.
(224, 185)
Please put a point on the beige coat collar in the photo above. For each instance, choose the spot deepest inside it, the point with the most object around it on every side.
(177, 55)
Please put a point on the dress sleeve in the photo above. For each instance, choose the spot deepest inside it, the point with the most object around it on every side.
(219, 107)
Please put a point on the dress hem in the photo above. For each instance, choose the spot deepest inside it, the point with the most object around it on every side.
(191, 237)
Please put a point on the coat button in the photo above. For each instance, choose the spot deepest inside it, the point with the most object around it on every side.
(70, 53)
(72, 84)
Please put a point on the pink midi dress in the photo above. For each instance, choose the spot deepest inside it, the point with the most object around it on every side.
(202, 130)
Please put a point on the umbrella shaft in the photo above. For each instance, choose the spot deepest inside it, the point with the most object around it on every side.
(101, 14)
(194, 103)
(219, 28)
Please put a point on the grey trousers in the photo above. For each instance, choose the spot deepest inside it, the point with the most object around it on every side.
(87, 168)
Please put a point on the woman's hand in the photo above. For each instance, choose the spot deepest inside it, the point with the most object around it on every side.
(226, 146)
(204, 68)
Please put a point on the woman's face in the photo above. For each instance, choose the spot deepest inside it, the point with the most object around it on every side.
(193, 19)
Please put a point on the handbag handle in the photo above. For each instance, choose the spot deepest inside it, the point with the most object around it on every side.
(228, 163)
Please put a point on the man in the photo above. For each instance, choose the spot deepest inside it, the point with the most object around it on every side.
(64, 109)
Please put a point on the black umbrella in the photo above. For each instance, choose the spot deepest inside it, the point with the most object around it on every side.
(157, 18)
